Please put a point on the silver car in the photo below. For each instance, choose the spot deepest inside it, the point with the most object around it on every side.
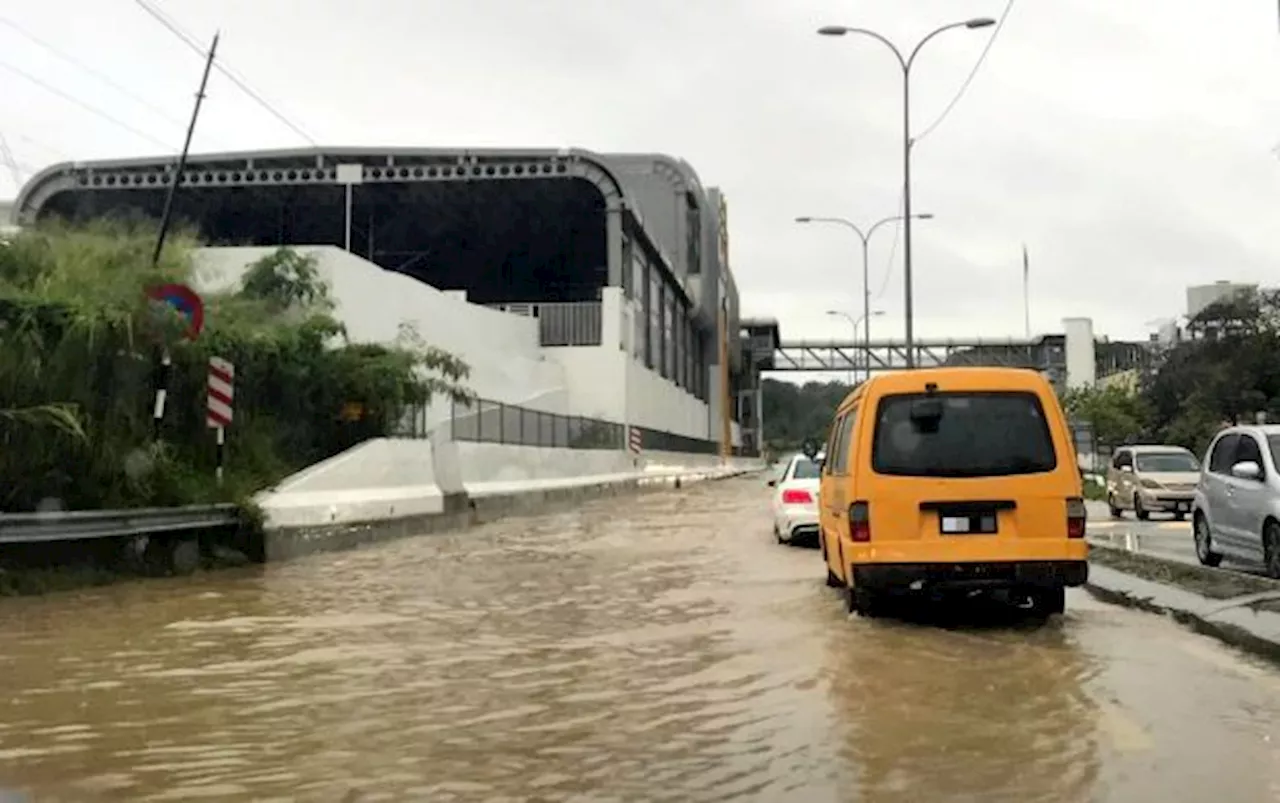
(1236, 510)
(1150, 479)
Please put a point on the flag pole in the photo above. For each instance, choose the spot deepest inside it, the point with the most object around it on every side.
(1026, 291)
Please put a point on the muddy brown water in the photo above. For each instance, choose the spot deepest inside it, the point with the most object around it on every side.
(659, 647)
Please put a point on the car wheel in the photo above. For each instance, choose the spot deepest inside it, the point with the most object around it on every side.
(1271, 548)
(1138, 509)
(1116, 512)
(1204, 542)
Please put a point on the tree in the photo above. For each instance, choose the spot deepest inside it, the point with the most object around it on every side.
(1227, 375)
(793, 413)
(76, 373)
(1116, 414)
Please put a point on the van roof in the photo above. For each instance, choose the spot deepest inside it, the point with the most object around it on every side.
(966, 376)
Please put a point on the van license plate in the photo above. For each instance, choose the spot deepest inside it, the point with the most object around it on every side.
(955, 524)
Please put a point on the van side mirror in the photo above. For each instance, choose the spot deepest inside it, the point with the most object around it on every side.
(1247, 470)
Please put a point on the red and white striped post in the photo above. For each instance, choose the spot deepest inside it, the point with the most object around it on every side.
(222, 391)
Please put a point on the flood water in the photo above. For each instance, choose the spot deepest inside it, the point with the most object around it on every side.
(660, 647)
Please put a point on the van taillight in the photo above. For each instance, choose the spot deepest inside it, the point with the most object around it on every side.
(1076, 516)
(860, 522)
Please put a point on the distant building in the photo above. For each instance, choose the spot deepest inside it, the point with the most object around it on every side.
(1201, 297)
(7, 225)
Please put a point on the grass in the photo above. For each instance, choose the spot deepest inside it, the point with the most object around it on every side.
(1211, 583)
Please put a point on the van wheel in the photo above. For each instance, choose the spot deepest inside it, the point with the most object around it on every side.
(1046, 602)
(832, 580)
(1139, 510)
(1116, 512)
(864, 602)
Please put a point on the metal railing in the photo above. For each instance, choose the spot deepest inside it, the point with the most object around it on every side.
(35, 528)
(485, 421)
(562, 323)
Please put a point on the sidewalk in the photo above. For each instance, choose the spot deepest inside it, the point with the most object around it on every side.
(1240, 609)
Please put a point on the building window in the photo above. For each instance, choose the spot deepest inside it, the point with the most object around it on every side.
(639, 309)
(680, 377)
(668, 333)
(628, 255)
(690, 356)
(693, 228)
(653, 356)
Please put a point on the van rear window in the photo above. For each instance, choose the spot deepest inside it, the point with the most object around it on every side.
(991, 434)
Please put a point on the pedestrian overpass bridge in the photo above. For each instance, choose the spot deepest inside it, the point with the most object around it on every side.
(1049, 353)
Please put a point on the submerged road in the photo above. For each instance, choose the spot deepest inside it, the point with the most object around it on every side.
(660, 647)
(1161, 536)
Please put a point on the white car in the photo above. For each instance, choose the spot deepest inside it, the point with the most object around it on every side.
(795, 500)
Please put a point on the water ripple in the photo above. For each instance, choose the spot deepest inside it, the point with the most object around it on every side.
(663, 649)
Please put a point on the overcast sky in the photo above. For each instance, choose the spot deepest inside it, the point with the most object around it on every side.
(1128, 144)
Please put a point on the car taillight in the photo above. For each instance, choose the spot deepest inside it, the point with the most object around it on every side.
(796, 496)
(860, 522)
(1076, 515)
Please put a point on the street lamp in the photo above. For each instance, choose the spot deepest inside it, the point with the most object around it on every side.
(905, 63)
(865, 237)
(853, 323)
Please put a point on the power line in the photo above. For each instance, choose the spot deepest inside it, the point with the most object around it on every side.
(893, 251)
(977, 65)
(7, 156)
(90, 70)
(94, 110)
(239, 81)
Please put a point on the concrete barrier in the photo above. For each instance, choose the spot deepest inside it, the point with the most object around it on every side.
(462, 511)
(397, 486)
(379, 479)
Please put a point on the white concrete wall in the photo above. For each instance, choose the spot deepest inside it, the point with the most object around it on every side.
(502, 350)
(379, 479)
(1082, 368)
(658, 403)
(390, 478)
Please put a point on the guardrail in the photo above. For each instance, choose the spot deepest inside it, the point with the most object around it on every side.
(76, 525)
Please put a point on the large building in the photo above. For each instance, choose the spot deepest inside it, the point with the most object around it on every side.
(622, 259)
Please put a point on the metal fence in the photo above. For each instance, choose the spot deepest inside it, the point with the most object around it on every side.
(487, 421)
(563, 323)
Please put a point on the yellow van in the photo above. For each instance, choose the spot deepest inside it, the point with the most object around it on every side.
(946, 480)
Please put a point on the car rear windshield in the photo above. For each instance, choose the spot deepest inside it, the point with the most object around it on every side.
(805, 469)
(1161, 462)
(993, 434)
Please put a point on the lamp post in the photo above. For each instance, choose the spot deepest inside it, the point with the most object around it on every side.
(906, 63)
(853, 323)
(865, 238)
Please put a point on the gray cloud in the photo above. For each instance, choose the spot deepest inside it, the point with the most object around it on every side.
(1126, 143)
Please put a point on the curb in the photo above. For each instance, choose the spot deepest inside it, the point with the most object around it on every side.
(1230, 619)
